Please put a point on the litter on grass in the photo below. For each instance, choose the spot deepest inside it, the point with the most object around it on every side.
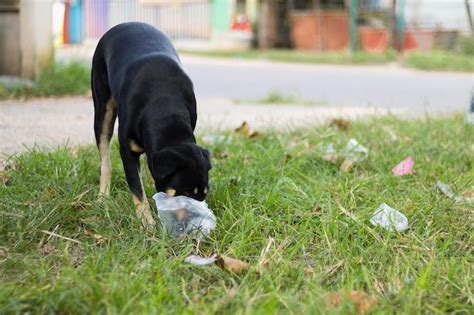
(226, 263)
(405, 167)
(246, 130)
(389, 218)
(201, 261)
(446, 190)
(355, 151)
(330, 153)
(182, 215)
(352, 153)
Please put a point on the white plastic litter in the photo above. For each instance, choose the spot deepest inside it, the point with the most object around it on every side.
(389, 218)
(330, 153)
(182, 215)
(201, 261)
(355, 151)
(445, 189)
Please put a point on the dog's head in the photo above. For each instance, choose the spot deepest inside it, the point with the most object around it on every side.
(181, 170)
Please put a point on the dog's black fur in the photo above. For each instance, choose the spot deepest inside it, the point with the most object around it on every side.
(136, 66)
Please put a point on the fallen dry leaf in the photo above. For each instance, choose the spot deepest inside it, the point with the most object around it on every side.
(6, 180)
(223, 155)
(342, 124)
(50, 192)
(3, 252)
(362, 301)
(333, 158)
(346, 166)
(80, 205)
(309, 272)
(246, 130)
(99, 239)
(468, 193)
(233, 265)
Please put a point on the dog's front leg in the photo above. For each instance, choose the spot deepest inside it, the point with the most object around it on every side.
(131, 166)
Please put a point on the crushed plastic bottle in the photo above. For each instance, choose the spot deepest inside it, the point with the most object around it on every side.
(355, 152)
(182, 215)
(389, 218)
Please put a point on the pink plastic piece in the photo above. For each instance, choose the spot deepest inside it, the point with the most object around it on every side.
(404, 167)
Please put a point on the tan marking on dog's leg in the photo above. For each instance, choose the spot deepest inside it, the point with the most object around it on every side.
(171, 192)
(142, 208)
(135, 147)
(104, 150)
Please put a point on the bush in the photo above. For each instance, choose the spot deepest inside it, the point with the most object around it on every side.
(53, 80)
(466, 45)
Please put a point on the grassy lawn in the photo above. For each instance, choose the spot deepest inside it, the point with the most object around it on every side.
(287, 55)
(440, 60)
(57, 79)
(436, 60)
(275, 185)
(275, 97)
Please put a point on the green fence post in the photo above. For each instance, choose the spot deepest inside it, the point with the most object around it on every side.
(353, 24)
(401, 22)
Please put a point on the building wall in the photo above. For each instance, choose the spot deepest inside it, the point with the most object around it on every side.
(445, 14)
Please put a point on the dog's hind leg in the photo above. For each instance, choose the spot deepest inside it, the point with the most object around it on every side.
(131, 166)
(104, 121)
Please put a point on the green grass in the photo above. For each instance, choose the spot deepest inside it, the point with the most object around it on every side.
(275, 97)
(436, 60)
(54, 80)
(275, 185)
(286, 55)
(440, 60)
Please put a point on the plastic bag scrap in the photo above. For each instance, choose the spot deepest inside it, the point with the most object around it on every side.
(201, 261)
(353, 152)
(405, 167)
(330, 154)
(389, 218)
(446, 190)
(182, 215)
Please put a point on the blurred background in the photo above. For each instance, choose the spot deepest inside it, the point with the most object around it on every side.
(271, 62)
(372, 26)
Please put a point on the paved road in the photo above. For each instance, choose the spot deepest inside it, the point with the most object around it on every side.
(344, 91)
(362, 86)
(388, 87)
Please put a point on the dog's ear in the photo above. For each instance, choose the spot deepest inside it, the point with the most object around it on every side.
(164, 163)
(207, 158)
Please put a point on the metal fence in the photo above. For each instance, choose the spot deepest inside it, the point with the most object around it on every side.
(179, 20)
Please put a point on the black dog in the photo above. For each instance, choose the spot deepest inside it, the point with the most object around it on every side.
(137, 76)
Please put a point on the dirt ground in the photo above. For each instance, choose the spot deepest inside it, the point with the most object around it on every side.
(49, 122)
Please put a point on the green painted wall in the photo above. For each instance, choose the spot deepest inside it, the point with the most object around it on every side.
(221, 13)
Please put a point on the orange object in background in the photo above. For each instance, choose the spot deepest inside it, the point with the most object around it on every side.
(373, 40)
(325, 30)
(409, 41)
